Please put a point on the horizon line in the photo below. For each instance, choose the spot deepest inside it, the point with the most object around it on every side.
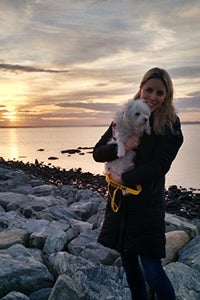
(97, 125)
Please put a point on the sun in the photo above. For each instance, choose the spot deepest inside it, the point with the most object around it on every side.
(10, 116)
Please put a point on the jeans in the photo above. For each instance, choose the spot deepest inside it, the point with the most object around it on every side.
(139, 269)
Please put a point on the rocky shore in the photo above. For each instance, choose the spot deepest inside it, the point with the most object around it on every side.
(179, 200)
(49, 223)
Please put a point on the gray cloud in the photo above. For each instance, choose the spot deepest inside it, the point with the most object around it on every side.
(194, 94)
(15, 68)
(188, 104)
(186, 71)
(90, 106)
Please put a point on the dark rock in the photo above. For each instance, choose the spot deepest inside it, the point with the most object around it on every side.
(71, 151)
(182, 202)
(52, 158)
(42, 294)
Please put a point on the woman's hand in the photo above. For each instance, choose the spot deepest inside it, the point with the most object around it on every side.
(132, 142)
(115, 177)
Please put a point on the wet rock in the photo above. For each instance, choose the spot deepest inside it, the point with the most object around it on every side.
(70, 151)
(52, 158)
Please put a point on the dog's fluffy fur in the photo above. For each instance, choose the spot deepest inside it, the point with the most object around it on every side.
(132, 119)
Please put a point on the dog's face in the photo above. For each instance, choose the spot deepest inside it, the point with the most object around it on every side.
(137, 114)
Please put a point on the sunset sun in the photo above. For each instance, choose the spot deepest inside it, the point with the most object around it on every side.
(10, 116)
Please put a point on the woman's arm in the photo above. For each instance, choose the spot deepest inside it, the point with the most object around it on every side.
(165, 151)
(103, 151)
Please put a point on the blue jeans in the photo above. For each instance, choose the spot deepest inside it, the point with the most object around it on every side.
(139, 269)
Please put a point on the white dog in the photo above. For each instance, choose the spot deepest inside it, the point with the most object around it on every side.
(132, 119)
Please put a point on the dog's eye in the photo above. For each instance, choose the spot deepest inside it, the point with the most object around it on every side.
(137, 114)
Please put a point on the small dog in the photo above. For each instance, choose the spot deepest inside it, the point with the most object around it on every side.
(132, 119)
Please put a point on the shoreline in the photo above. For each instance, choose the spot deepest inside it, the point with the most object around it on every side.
(180, 201)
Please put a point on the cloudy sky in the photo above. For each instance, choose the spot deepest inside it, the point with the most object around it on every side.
(72, 62)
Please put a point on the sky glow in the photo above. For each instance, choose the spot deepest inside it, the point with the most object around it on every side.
(72, 63)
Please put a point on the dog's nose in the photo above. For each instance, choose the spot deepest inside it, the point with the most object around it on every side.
(145, 119)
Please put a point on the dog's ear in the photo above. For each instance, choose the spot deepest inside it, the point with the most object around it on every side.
(124, 116)
(129, 105)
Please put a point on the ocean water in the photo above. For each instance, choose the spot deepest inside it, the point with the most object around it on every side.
(24, 143)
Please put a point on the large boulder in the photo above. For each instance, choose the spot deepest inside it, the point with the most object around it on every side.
(186, 281)
(175, 240)
(173, 223)
(190, 254)
(22, 273)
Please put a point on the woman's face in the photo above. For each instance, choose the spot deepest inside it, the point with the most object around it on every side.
(153, 92)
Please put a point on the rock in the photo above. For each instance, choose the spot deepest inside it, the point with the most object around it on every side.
(38, 237)
(52, 158)
(66, 288)
(11, 237)
(185, 203)
(84, 207)
(95, 282)
(64, 262)
(43, 190)
(22, 273)
(12, 201)
(175, 240)
(196, 222)
(70, 151)
(190, 254)
(48, 239)
(96, 253)
(55, 242)
(12, 179)
(77, 245)
(42, 294)
(15, 296)
(186, 281)
(81, 226)
(176, 223)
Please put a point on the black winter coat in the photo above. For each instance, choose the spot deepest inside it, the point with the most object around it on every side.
(139, 225)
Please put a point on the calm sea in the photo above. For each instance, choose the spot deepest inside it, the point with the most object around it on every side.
(24, 143)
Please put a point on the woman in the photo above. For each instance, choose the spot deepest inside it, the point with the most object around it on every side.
(137, 229)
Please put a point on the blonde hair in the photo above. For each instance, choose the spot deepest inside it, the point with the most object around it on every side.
(164, 116)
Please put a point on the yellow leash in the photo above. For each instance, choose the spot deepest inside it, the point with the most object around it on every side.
(115, 207)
